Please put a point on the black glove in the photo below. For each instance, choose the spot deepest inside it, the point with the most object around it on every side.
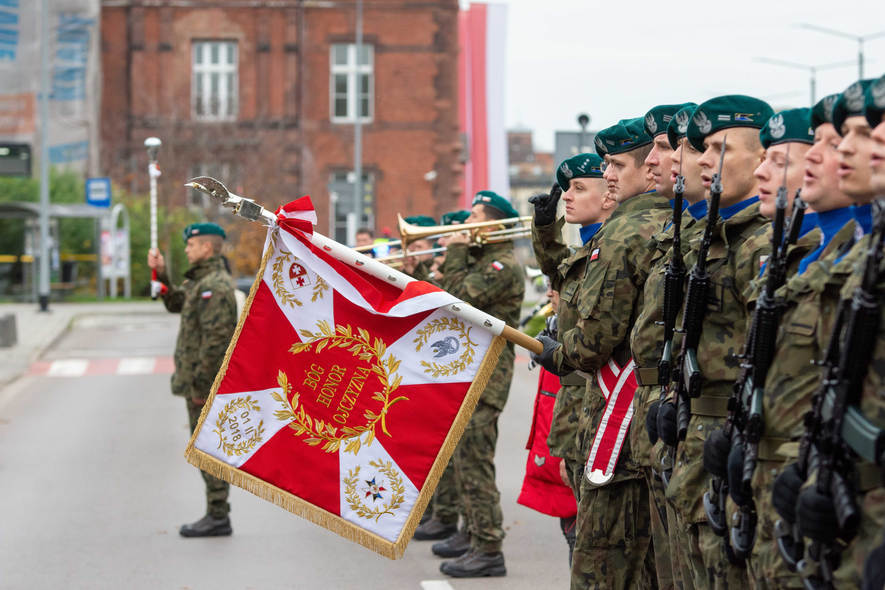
(716, 450)
(545, 359)
(816, 515)
(651, 422)
(785, 493)
(736, 475)
(667, 429)
(545, 206)
(874, 569)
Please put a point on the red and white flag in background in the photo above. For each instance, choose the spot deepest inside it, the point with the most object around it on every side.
(341, 397)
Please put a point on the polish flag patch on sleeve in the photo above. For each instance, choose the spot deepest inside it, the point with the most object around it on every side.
(594, 255)
(206, 294)
(497, 265)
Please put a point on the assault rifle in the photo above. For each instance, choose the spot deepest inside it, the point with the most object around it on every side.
(844, 386)
(674, 285)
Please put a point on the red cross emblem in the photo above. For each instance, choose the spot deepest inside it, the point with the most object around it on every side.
(298, 276)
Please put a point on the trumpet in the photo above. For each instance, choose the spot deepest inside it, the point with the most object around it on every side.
(410, 232)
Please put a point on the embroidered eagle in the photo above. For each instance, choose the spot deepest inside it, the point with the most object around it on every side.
(704, 125)
(446, 346)
(651, 123)
(776, 126)
(682, 122)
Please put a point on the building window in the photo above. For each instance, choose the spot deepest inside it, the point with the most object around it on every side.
(352, 84)
(214, 90)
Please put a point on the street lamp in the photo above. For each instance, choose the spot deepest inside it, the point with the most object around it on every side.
(859, 38)
(812, 70)
(583, 121)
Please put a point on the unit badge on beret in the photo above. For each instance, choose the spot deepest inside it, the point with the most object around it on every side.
(566, 171)
(704, 124)
(682, 122)
(878, 92)
(829, 105)
(776, 126)
(854, 97)
(601, 145)
(651, 123)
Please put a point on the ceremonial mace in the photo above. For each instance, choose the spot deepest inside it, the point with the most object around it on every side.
(252, 211)
(152, 144)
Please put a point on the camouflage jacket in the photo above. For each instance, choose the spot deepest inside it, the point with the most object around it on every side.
(564, 267)
(208, 311)
(608, 301)
(647, 337)
(738, 247)
(491, 279)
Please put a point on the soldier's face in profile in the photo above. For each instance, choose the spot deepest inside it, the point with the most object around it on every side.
(584, 200)
(686, 158)
(197, 249)
(855, 151)
(627, 178)
(659, 162)
(877, 159)
(820, 187)
(770, 174)
(743, 154)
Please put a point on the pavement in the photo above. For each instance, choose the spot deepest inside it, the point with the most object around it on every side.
(95, 485)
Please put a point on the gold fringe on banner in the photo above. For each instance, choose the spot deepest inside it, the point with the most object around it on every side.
(304, 509)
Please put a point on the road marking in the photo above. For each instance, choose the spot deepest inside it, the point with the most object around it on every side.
(436, 585)
(136, 366)
(68, 368)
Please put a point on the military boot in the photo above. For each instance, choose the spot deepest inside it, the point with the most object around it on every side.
(207, 526)
(435, 530)
(455, 546)
(475, 564)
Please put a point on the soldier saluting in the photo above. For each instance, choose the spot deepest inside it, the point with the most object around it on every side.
(208, 311)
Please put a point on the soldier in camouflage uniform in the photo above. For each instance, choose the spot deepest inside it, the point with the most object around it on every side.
(491, 279)
(208, 311)
(646, 339)
(733, 264)
(843, 273)
(587, 204)
(613, 536)
(418, 267)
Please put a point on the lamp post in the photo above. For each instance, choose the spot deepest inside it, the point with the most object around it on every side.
(859, 38)
(44, 159)
(357, 134)
(152, 144)
(583, 121)
(812, 70)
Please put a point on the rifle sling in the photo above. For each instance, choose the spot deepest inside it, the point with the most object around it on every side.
(647, 376)
(710, 406)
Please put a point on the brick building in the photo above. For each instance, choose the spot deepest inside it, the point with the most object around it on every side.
(263, 94)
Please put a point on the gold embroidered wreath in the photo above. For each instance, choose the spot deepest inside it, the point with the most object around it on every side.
(367, 512)
(243, 447)
(319, 288)
(445, 325)
(360, 345)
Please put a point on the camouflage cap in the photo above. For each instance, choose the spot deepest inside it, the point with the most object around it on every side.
(421, 220)
(203, 229)
(678, 127)
(580, 166)
(788, 126)
(658, 119)
(626, 136)
(874, 102)
(850, 104)
(453, 217)
(726, 112)
(490, 199)
(822, 112)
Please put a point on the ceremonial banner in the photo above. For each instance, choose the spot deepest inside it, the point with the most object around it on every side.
(341, 397)
(618, 385)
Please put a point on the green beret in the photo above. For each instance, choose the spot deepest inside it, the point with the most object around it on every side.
(725, 112)
(850, 103)
(658, 119)
(453, 217)
(421, 220)
(792, 125)
(678, 127)
(626, 136)
(203, 229)
(874, 102)
(822, 112)
(580, 166)
(490, 199)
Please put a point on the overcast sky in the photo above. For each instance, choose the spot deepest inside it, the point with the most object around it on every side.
(615, 60)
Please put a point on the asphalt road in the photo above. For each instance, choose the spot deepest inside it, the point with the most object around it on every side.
(94, 487)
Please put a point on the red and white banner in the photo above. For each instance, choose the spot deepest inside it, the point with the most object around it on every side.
(481, 36)
(342, 397)
(617, 385)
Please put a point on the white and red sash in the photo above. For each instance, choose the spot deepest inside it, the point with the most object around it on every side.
(617, 384)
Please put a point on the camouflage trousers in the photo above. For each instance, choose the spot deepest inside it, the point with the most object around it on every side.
(708, 565)
(574, 470)
(474, 462)
(613, 538)
(659, 531)
(447, 504)
(216, 489)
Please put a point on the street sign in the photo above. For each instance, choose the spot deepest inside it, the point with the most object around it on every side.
(98, 192)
